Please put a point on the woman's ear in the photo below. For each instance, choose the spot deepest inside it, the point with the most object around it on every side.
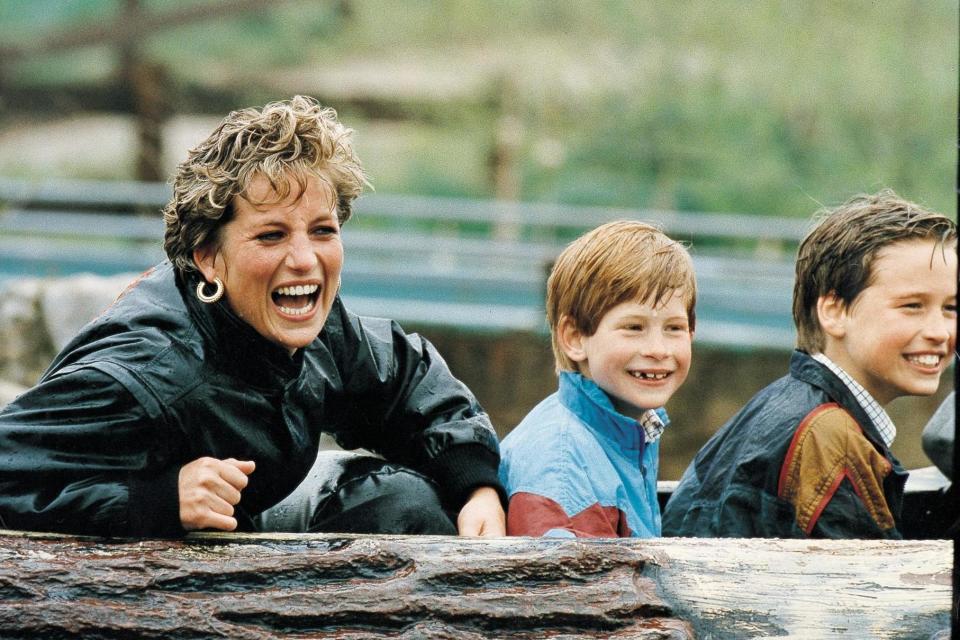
(570, 339)
(205, 257)
(832, 315)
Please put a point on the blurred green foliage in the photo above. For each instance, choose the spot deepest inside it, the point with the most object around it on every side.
(754, 106)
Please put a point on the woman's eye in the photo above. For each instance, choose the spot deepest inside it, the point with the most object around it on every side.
(325, 230)
(270, 236)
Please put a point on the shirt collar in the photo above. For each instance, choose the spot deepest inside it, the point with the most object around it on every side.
(876, 413)
(592, 405)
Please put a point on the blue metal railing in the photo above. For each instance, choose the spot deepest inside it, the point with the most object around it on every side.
(479, 265)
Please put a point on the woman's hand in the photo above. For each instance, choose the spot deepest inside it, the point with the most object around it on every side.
(482, 515)
(208, 490)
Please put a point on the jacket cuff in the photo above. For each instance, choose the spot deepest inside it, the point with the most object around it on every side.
(153, 508)
(461, 469)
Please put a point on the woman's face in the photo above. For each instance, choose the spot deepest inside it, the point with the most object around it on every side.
(280, 262)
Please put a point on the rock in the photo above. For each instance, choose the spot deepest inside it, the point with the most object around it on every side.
(67, 304)
(9, 391)
(39, 316)
(25, 347)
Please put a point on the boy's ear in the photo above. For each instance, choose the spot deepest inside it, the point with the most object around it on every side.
(571, 339)
(205, 257)
(832, 315)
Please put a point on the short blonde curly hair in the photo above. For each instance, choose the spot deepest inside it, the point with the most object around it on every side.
(285, 142)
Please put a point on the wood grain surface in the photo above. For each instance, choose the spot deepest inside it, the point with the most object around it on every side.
(339, 586)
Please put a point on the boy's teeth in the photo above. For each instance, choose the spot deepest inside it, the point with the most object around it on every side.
(649, 376)
(299, 290)
(930, 360)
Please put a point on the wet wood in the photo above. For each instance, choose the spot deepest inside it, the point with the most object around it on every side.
(337, 586)
(809, 589)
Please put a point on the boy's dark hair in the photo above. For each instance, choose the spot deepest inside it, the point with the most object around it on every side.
(837, 256)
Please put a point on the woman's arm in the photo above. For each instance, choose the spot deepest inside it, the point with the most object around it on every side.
(400, 399)
(79, 454)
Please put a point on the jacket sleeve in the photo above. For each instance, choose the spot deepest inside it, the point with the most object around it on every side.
(400, 399)
(833, 476)
(78, 454)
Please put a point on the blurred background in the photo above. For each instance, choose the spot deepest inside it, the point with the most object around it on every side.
(494, 132)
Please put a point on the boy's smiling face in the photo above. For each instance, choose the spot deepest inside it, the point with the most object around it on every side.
(639, 354)
(899, 334)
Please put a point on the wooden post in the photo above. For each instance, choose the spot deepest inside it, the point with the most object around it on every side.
(504, 160)
(147, 85)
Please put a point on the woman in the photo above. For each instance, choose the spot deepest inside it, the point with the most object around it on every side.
(197, 400)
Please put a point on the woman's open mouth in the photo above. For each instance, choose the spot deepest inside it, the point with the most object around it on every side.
(297, 300)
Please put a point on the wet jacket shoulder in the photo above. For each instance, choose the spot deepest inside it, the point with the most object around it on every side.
(801, 459)
(161, 379)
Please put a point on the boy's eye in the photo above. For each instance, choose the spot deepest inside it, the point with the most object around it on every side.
(950, 308)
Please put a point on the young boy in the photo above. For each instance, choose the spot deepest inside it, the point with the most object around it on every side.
(874, 303)
(620, 304)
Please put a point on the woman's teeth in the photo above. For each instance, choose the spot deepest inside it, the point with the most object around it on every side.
(299, 290)
(298, 311)
(295, 300)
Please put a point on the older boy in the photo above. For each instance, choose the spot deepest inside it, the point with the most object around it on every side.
(620, 304)
(875, 307)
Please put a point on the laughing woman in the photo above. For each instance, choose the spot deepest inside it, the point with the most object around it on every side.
(198, 399)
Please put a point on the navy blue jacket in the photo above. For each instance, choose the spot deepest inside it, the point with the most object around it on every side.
(801, 459)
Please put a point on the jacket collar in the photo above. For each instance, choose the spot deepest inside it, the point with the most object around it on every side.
(592, 405)
(804, 367)
(244, 352)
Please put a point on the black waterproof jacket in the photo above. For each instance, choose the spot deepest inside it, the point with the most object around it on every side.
(161, 379)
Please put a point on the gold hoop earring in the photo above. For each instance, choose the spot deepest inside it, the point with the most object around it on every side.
(216, 295)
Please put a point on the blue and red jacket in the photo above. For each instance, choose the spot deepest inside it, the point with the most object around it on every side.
(575, 467)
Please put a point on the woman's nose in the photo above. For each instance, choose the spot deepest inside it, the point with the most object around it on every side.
(300, 253)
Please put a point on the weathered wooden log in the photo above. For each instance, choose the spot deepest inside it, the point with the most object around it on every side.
(339, 586)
